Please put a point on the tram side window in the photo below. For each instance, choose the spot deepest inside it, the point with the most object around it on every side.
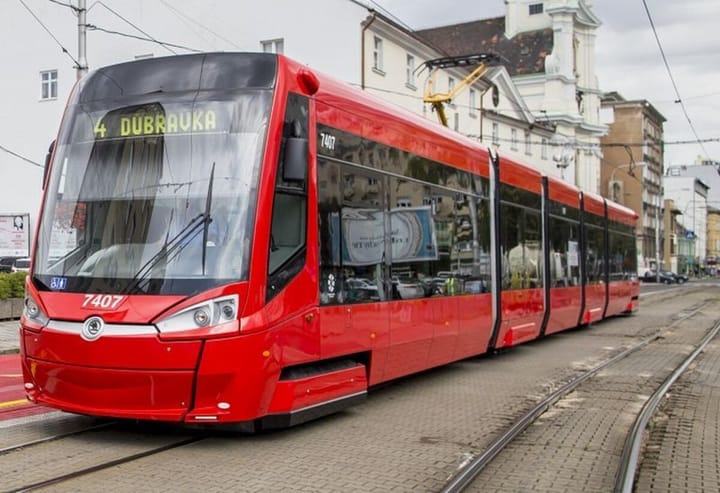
(623, 257)
(616, 256)
(480, 277)
(362, 235)
(594, 261)
(288, 229)
(286, 256)
(448, 218)
(520, 246)
(414, 252)
(564, 253)
(329, 202)
(630, 260)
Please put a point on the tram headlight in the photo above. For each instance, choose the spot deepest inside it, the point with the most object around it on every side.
(32, 311)
(207, 313)
(201, 317)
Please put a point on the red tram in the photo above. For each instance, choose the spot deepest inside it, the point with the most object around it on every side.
(233, 239)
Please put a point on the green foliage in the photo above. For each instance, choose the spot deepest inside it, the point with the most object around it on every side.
(12, 285)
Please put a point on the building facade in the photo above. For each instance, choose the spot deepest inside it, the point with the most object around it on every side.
(632, 171)
(548, 48)
(690, 195)
(713, 240)
(539, 105)
(708, 173)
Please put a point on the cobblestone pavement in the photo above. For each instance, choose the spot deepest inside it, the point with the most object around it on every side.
(576, 445)
(413, 434)
(683, 449)
(9, 336)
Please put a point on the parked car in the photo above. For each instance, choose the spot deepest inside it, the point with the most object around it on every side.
(361, 290)
(8, 264)
(407, 288)
(665, 277)
(22, 264)
(679, 278)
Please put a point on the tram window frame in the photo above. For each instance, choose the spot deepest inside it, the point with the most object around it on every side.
(520, 223)
(329, 207)
(372, 197)
(595, 268)
(564, 244)
(411, 277)
(440, 184)
(287, 248)
(622, 252)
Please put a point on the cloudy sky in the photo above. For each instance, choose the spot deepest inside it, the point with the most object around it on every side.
(629, 59)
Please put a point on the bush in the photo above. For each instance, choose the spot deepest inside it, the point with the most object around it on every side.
(12, 285)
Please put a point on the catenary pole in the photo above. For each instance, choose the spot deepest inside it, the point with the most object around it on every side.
(82, 66)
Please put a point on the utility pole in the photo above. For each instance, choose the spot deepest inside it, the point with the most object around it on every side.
(657, 238)
(82, 66)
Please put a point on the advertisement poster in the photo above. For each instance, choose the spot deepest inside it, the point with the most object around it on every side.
(363, 232)
(15, 235)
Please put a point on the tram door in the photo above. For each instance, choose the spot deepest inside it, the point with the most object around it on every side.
(354, 274)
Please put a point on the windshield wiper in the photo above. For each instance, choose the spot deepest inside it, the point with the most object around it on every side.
(170, 249)
(173, 246)
(208, 219)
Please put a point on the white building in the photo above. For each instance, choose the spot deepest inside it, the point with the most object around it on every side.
(556, 102)
(550, 49)
(690, 196)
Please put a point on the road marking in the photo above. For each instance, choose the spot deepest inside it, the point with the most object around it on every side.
(11, 375)
(5, 405)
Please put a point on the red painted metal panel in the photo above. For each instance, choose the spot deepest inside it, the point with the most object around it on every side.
(621, 214)
(522, 314)
(293, 395)
(475, 325)
(136, 309)
(131, 352)
(412, 324)
(621, 293)
(560, 191)
(564, 308)
(594, 303)
(520, 176)
(594, 204)
(139, 394)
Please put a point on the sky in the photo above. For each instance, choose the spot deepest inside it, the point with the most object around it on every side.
(629, 60)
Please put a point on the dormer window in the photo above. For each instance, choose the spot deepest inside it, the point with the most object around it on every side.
(536, 8)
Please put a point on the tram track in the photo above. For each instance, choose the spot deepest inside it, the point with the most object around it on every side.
(148, 459)
(52, 438)
(81, 452)
(105, 465)
(469, 471)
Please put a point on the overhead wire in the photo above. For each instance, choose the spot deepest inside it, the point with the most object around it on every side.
(390, 15)
(93, 27)
(64, 50)
(187, 18)
(672, 79)
(149, 38)
(21, 157)
(69, 5)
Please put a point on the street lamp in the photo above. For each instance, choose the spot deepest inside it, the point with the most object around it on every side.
(563, 153)
(611, 182)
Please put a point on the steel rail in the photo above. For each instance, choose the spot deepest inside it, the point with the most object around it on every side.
(625, 479)
(52, 438)
(471, 469)
(106, 465)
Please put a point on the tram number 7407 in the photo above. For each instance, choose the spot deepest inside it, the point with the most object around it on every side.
(103, 301)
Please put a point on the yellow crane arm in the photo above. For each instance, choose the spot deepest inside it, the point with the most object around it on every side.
(438, 99)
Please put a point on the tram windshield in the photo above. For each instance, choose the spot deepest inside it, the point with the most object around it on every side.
(155, 197)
